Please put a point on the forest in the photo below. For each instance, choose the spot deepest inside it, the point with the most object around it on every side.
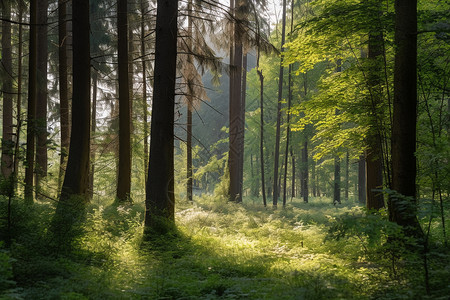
(225, 149)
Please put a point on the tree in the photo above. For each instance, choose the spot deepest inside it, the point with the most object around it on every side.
(63, 88)
(189, 101)
(337, 181)
(77, 173)
(41, 100)
(288, 120)
(7, 85)
(278, 126)
(362, 180)
(374, 151)
(144, 88)
(160, 198)
(124, 174)
(261, 130)
(31, 109)
(235, 114)
(402, 210)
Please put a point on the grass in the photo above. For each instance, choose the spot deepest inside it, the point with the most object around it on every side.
(218, 251)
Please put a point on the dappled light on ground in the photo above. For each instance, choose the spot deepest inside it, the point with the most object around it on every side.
(220, 250)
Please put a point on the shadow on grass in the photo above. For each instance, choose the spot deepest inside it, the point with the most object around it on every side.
(110, 259)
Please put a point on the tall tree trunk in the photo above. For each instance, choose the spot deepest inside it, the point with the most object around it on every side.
(19, 98)
(242, 125)
(31, 109)
(63, 88)
(160, 197)
(124, 173)
(130, 21)
(404, 118)
(347, 176)
(189, 113)
(261, 130)
(305, 168)
(93, 130)
(288, 132)
(374, 154)
(144, 89)
(293, 174)
(337, 181)
(77, 174)
(278, 128)
(41, 104)
(235, 192)
(7, 91)
(362, 179)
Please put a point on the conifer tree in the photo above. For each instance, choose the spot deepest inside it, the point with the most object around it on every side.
(7, 109)
(160, 197)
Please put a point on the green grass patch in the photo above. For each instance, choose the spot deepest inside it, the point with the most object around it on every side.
(218, 251)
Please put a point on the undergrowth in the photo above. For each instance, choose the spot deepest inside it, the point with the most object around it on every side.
(218, 250)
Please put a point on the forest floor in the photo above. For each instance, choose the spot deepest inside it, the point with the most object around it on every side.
(221, 251)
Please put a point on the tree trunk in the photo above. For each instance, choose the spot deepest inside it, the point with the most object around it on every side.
(160, 197)
(374, 154)
(7, 91)
(63, 88)
(305, 173)
(31, 110)
(189, 150)
(242, 126)
(144, 89)
(362, 179)
(288, 132)
(261, 138)
(280, 98)
(337, 181)
(235, 191)
(41, 104)
(124, 173)
(347, 177)
(293, 174)
(189, 113)
(19, 99)
(403, 211)
(93, 128)
(77, 173)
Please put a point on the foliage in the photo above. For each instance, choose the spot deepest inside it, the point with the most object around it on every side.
(218, 250)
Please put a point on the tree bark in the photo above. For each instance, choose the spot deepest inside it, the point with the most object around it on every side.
(31, 109)
(19, 99)
(41, 104)
(235, 188)
(7, 91)
(362, 179)
(144, 89)
(278, 126)
(77, 173)
(189, 113)
(242, 125)
(403, 211)
(305, 168)
(124, 173)
(337, 181)
(160, 198)
(261, 130)
(288, 132)
(347, 177)
(374, 154)
(93, 128)
(63, 88)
